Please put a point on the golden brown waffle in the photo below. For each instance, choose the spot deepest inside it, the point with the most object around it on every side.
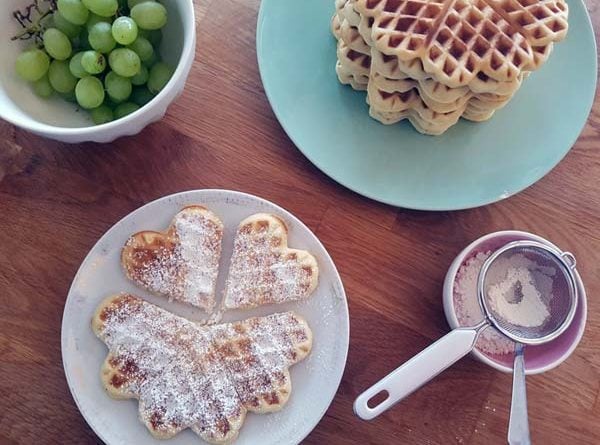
(349, 13)
(438, 99)
(393, 68)
(457, 41)
(436, 127)
(429, 128)
(350, 35)
(389, 88)
(182, 262)
(264, 269)
(393, 107)
(389, 95)
(406, 99)
(352, 67)
(189, 376)
(347, 76)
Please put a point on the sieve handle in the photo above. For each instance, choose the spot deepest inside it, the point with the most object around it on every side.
(518, 424)
(417, 371)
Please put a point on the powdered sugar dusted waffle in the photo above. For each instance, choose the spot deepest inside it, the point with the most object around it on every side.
(264, 269)
(201, 377)
(182, 262)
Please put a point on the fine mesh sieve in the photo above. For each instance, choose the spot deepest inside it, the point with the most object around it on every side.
(559, 299)
(527, 291)
(543, 289)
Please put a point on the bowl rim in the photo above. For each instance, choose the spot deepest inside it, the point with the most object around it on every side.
(452, 319)
(180, 73)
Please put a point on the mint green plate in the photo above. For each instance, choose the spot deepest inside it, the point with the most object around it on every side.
(469, 166)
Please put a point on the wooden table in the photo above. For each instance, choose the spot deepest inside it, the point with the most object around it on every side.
(57, 200)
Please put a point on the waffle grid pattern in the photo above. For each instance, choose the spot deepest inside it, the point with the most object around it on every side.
(434, 61)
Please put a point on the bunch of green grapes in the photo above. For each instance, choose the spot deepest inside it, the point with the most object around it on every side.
(102, 54)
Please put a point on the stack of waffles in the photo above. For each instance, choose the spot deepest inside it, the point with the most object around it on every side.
(435, 61)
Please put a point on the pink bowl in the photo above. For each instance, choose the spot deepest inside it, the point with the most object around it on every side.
(540, 358)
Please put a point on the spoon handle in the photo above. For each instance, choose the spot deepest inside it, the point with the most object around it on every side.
(518, 425)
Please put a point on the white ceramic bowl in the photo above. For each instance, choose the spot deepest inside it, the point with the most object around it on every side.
(540, 358)
(64, 121)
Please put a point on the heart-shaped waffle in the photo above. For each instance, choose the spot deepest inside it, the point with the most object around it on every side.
(201, 377)
(181, 263)
(457, 41)
(264, 269)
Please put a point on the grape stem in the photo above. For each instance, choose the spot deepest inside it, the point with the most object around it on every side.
(31, 19)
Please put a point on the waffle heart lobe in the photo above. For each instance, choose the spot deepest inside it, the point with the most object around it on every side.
(263, 269)
(181, 263)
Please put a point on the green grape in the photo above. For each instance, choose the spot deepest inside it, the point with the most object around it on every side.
(149, 15)
(62, 24)
(69, 97)
(142, 77)
(132, 3)
(124, 62)
(75, 66)
(93, 62)
(47, 21)
(143, 48)
(75, 43)
(101, 38)
(57, 44)
(160, 74)
(42, 87)
(89, 92)
(117, 87)
(141, 96)
(124, 30)
(153, 60)
(104, 8)
(84, 40)
(32, 65)
(108, 101)
(124, 109)
(102, 115)
(74, 11)
(60, 77)
(93, 19)
(154, 36)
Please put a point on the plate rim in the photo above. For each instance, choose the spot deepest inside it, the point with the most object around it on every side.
(336, 277)
(395, 202)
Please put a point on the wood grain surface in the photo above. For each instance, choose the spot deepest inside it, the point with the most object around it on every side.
(56, 200)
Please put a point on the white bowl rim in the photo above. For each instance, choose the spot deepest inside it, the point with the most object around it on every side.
(448, 301)
(179, 74)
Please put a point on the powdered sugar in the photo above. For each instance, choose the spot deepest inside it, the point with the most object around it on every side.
(263, 270)
(184, 265)
(200, 249)
(516, 298)
(537, 281)
(469, 312)
(205, 378)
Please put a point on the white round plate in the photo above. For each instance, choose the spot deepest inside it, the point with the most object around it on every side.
(314, 380)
